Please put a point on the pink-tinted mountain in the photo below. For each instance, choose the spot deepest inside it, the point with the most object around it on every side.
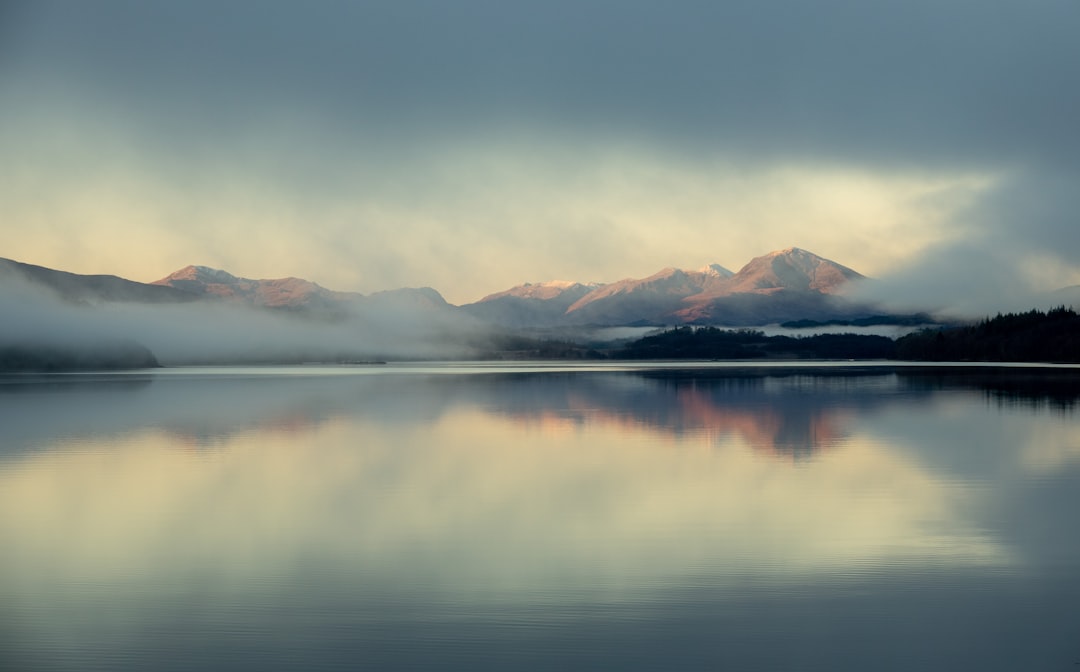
(784, 285)
(647, 300)
(293, 294)
(538, 304)
(202, 281)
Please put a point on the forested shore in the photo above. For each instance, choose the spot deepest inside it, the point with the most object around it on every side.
(1034, 336)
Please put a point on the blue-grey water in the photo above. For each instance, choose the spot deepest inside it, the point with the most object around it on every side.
(524, 517)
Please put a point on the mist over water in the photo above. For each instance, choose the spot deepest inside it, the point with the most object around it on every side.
(208, 332)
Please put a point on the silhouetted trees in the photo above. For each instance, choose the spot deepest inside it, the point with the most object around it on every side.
(697, 343)
(714, 343)
(1034, 336)
(112, 355)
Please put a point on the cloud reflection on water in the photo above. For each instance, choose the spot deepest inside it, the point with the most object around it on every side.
(497, 487)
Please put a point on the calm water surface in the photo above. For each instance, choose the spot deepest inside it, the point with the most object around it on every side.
(526, 517)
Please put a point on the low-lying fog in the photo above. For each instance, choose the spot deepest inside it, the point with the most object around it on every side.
(205, 332)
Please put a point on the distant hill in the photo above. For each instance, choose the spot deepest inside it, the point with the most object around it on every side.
(420, 298)
(530, 305)
(649, 300)
(293, 293)
(23, 351)
(90, 289)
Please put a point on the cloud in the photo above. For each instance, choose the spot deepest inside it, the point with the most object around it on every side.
(1012, 246)
(836, 78)
(478, 144)
(467, 218)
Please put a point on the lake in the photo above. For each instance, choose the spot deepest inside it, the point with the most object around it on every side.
(541, 517)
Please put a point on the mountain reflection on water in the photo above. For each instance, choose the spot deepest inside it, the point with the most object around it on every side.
(788, 412)
(641, 519)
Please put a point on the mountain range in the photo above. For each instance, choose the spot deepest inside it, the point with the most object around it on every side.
(779, 286)
(293, 294)
(783, 285)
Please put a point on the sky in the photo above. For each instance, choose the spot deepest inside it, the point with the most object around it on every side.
(478, 144)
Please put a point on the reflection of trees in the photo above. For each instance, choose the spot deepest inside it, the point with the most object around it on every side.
(1029, 388)
(792, 412)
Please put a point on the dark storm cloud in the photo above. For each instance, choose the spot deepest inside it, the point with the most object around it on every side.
(954, 82)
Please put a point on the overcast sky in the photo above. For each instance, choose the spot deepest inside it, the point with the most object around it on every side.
(477, 144)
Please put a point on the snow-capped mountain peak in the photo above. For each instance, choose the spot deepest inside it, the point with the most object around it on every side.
(715, 270)
(543, 291)
(199, 274)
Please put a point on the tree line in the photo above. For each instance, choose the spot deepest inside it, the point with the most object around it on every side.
(716, 343)
(1034, 336)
